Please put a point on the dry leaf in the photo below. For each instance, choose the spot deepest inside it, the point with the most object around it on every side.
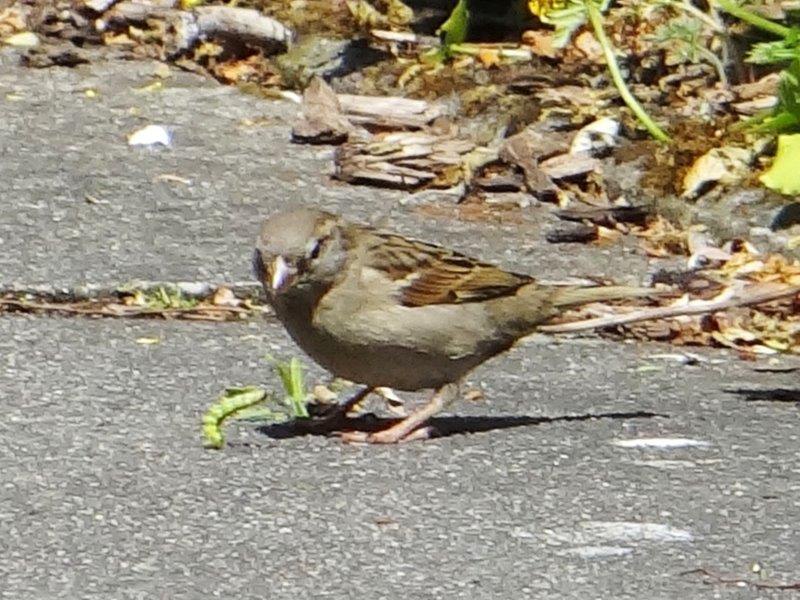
(224, 297)
(540, 43)
(23, 39)
(489, 57)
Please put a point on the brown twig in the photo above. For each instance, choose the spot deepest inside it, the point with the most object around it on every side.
(716, 578)
(666, 312)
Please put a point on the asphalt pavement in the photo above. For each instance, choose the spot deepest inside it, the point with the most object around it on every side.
(78, 205)
(589, 469)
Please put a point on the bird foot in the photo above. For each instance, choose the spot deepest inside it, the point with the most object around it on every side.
(387, 436)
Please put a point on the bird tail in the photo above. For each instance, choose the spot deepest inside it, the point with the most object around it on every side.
(575, 296)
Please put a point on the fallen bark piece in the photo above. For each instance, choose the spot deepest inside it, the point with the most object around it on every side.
(573, 95)
(123, 13)
(575, 233)
(499, 183)
(596, 139)
(390, 111)
(190, 26)
(143, 299)
(755, 106)
(396, 14)
(244, 24)
(535, 143)
(322, 120)
(408, 160)
(565, 166)
(405, 37)
(766, 86)
(328, 118)
(62, 54)
(727, 165)
(98, 6)
(606, 217)
(753, 98)
(525, 149)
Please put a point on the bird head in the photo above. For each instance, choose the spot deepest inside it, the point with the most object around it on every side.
(298, 249)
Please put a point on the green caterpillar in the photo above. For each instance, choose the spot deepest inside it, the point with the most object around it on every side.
(233, 401)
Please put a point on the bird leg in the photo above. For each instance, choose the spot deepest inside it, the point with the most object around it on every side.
(333, 416)
(393, 402)
(409, 429)
(341, 410)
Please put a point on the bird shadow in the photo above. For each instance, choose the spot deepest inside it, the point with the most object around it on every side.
(767, 394)
(441, 426)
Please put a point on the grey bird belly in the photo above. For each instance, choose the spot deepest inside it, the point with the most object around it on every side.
(394, 346)
(389, 365)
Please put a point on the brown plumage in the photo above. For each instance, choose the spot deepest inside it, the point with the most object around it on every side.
(387, 311)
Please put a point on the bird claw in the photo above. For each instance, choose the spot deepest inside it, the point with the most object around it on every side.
(387, 436)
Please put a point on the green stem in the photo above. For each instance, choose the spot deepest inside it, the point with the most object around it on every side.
(730, 7)
(513, 53)
(780, 122)
(717, 64)
(595, 18)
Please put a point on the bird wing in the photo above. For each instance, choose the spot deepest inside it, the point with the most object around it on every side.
(427, 274)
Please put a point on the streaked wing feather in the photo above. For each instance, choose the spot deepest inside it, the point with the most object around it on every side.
(435, 275)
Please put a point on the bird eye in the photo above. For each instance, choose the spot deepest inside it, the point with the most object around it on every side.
(313, 249)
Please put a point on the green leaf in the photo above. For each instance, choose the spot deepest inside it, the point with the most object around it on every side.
(565, 21)
(454, 30)
(785, 117)
(779, 51)
(293, 380)
(789, 90)
(784, 176)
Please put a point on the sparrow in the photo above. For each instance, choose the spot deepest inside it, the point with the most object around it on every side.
(383, 310)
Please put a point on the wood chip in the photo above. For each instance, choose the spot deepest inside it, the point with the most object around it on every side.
(189, 27)
(607, 217)
(566, 166)
(405, 159)
(726, 165)
(573, 233)
(766, 86)
(98, 5)
(321, 121)
(390, 111)
(755, 106)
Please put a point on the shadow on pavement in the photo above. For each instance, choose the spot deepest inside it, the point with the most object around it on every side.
(443, 426)
(767, 395)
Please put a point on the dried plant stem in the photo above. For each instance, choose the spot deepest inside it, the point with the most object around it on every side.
(664, 312)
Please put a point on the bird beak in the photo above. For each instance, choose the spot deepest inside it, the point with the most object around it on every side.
(282, 274)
